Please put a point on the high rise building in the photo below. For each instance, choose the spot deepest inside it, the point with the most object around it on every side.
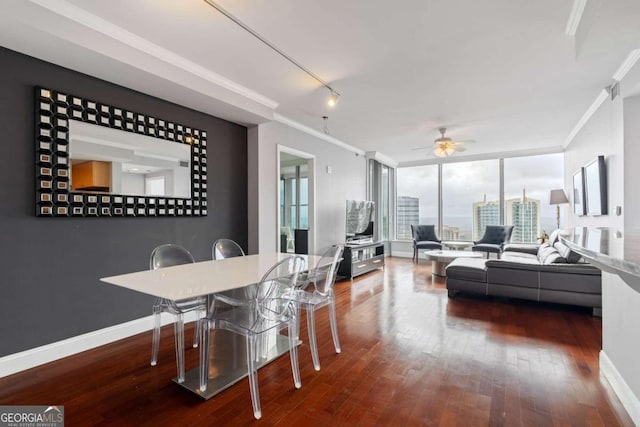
(484, 213)
(521, 212)
(524, 214)
(450, 233)
(407, 214)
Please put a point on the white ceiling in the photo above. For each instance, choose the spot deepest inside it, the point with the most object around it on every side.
(502, 72)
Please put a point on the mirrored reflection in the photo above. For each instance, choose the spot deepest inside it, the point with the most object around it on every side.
(105, 160)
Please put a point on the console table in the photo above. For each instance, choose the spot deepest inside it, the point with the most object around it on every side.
(358, 259)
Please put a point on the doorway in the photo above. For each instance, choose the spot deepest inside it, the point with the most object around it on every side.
(296, 201)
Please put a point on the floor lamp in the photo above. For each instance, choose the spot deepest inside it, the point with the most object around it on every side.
(558, 197)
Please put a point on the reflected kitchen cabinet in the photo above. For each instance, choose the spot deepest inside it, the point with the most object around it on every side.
(91, 176)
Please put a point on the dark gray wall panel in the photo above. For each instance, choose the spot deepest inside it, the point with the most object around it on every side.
(49, 267)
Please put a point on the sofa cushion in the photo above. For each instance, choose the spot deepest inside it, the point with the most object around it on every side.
(549, 255)
(554, 258)
(542, 248)
(554, 236)
(571, 256)
(528, 248)
(473, 269)
(519, 257)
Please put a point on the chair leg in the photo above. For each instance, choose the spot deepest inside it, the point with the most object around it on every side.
(293, 352)
(253, 376)
(155, 342)
(200, 313)
(178, 327)
(204, 353)
(311, 327)
(334, 325)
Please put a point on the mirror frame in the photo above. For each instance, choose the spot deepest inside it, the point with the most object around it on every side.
(53, 196)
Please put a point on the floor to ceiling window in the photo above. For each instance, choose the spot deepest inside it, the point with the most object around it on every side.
(527, 183)
(470, 198)
(417, 201)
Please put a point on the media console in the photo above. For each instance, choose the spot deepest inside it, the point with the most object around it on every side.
(362, 258)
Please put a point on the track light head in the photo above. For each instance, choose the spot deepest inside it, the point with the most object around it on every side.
(333, 99)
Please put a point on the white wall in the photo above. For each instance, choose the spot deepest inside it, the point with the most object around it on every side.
(347, 181)
(602, 135)
(132, 183)
(614, 132)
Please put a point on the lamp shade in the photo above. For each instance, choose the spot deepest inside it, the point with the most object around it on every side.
(557, 197)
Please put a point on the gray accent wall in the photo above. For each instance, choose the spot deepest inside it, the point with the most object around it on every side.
(49, 267)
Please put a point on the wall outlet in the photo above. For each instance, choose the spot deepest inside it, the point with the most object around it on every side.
(618, 210)
(329, 169)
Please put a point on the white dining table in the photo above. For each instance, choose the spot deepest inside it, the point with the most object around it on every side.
(206, 278)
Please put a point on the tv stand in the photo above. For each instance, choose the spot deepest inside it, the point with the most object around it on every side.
(361, 258)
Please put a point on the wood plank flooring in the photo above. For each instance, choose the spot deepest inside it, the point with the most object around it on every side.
(410, 357)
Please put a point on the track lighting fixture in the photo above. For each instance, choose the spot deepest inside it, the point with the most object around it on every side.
(326, 124)
(333, 98)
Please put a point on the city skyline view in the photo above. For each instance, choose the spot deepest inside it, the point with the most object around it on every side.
(466, 183)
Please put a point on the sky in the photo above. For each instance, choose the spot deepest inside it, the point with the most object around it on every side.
(467, 182)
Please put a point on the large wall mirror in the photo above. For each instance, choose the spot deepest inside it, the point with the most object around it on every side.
(98, 160)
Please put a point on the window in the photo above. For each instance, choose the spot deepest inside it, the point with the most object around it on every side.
(417, 201)
(527, 183)
(470, 199)
(385, 202)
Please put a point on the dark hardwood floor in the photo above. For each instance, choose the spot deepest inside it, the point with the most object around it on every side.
(410, 356)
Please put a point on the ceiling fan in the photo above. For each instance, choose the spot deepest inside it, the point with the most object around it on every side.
(445, 146)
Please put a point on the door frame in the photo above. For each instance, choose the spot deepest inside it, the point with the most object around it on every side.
(311, 164)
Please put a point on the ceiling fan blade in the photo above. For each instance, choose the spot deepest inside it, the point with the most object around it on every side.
(459, 148)
(465, 141)
(420, 148)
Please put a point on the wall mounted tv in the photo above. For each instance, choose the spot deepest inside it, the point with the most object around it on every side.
(595, 187)
(359, 224)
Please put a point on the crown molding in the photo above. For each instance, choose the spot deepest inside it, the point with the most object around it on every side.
(626, 65)
(106, 28)
(575, 17)
(484, 156)
(306, 129)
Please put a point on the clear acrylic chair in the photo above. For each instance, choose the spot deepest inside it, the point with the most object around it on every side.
(316, 291)
(273, 308)
(166, 256)
(227, 248)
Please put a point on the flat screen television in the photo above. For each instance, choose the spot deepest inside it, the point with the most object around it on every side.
(595, 187)
(359, 224)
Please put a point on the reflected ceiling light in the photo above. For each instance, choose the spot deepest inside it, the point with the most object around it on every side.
(333, 98)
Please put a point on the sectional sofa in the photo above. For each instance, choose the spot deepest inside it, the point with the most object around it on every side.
(549, 272)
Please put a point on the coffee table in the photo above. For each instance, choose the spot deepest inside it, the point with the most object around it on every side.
(457, 244)
(441, 258)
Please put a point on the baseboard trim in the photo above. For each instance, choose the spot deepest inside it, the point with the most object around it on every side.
(31, 358)
(620, 387)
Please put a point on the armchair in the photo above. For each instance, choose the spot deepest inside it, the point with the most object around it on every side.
(494, 239)
(424, 237)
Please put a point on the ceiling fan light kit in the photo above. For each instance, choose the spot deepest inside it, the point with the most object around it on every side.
(445, 146)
